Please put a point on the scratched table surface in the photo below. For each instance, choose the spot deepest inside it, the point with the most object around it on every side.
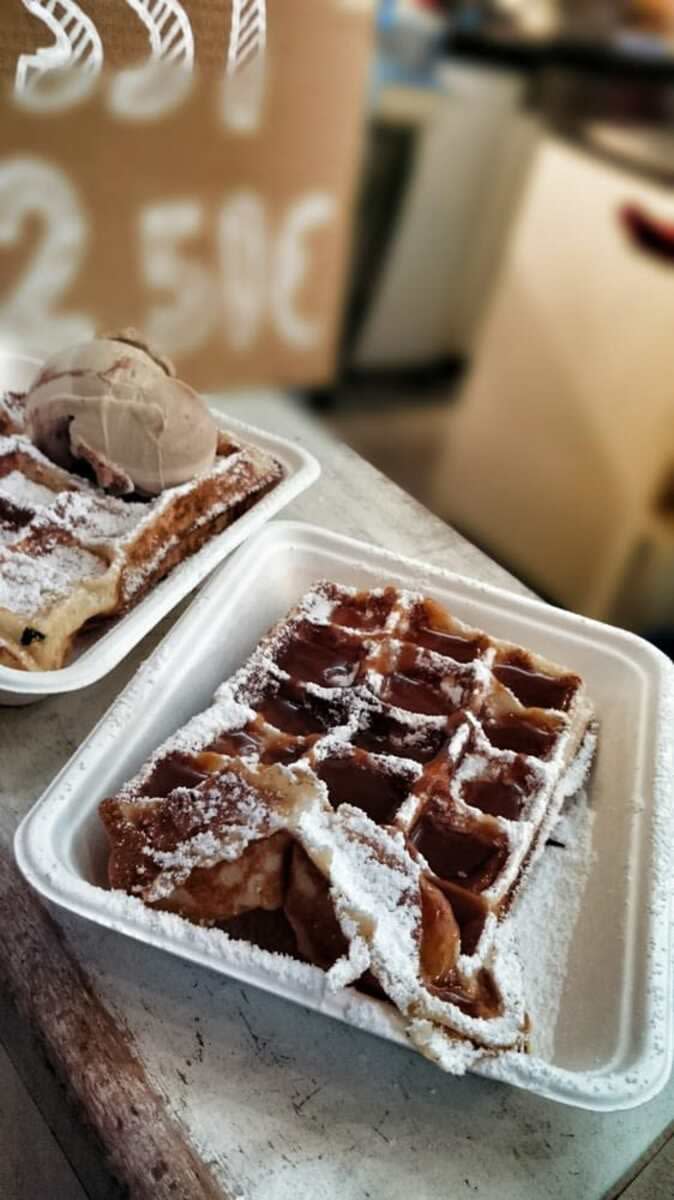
(189, 1084)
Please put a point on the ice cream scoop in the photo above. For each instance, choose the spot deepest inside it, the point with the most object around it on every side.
(116, 404)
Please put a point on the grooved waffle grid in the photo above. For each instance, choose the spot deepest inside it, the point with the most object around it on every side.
(367, 792)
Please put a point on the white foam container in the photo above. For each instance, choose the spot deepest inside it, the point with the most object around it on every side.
(613, 1030)
(101, 652)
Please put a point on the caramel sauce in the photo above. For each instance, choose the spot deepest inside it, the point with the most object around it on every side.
(417, 687)
(208, 761)
(178, 769)
(441, 937)
(320, 655)
(429, 628)
(461, 649)
(497, 797)
(385, 735)
(377, 793)
(484, 1001)
(511, 732)
(470, 913)
(457, 856)
(173, 771)
(283, 752)
(310, 912)
(364, 611)
(414, 693)
(532, 689)
(189, 770)
(290, 715)
(235, 745)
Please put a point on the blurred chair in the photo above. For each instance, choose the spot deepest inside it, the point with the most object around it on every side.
(559, 457)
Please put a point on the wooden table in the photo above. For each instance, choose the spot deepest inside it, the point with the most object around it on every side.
(199, 1087)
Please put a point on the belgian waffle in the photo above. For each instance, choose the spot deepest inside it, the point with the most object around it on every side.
(71, 554)
(382, 776)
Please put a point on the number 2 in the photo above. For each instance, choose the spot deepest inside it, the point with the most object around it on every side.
(29, 187)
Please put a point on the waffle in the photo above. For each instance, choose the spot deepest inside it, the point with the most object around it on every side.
(70, 554)
(377, 779)
(12, 412)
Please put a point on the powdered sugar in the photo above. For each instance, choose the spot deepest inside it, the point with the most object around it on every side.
(452, 1054)
(29, 585)
(348, 969)
(24, 491)
(545, 916)
(317, 607)
(96, 519)
(224, 836)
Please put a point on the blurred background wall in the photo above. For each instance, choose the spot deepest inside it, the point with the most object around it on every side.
(456, 245)
(508, 346)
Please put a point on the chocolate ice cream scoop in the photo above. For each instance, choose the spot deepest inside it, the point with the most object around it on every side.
(117, 405)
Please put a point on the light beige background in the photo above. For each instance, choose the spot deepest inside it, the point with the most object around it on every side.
(309, 141)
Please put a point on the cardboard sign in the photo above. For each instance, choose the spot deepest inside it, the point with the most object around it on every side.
(213, 219)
